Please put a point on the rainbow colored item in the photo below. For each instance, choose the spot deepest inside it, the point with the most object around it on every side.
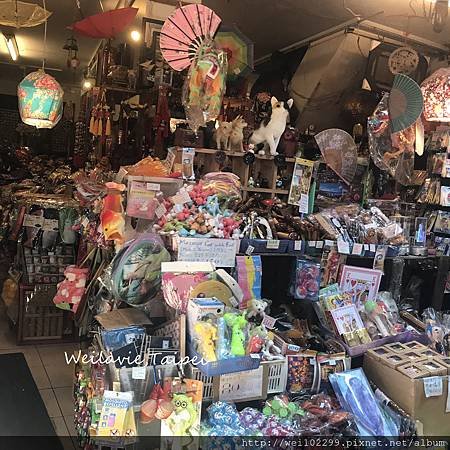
(239, 50)
(249, 276)
(40, 100)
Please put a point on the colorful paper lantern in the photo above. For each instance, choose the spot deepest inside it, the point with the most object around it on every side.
(40, 100)
(436, 96)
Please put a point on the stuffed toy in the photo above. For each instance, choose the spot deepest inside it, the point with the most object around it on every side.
(271, 352)
(223, 135)
(271, 132)
(256, 310)
(71, 290)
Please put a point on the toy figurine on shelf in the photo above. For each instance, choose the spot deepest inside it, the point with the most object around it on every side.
(207, 335)
(237, 323)
(272, 131)
(251, 182)
(236, 140)
(222, 135)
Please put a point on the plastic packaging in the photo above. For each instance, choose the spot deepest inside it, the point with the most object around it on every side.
(205, 84)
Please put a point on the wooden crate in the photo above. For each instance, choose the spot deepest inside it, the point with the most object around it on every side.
(39, 319)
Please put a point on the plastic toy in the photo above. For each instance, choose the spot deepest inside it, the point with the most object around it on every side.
(282, 408)
(222, 346)
(206, 335)
(71, 290)
(112, 216)
(271, 352)
(237, 323)
(184, 415)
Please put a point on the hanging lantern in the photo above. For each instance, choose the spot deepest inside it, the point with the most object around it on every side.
(436, 96)
(71, 46)
(40, 100)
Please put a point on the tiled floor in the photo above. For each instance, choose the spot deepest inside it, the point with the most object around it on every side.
(52, 375)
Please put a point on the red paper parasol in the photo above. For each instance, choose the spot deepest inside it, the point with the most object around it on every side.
(105, 25)
(184, 31)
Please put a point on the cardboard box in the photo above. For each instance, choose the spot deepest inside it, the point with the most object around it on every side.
(378, 352)
(394, 359)
(446, 363)
(409, 394)
(414, 345)
(433, 366)
(396, 347)
(414, 370)
(412, 355)
(429, 353)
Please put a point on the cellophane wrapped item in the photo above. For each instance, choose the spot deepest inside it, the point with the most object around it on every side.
(205, 85)
(223, 183)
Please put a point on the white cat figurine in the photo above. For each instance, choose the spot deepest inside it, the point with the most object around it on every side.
(271, 133)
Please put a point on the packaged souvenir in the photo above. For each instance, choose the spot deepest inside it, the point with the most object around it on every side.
(302, 372)
(141, 199)
(355, 396)
(306, 283)
(249, 276)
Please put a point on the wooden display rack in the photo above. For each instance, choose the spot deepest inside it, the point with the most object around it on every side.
(263, 164)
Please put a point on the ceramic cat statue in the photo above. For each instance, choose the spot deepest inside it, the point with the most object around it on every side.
(271, 132)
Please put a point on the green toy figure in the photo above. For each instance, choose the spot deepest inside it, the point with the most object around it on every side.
(237, 323)
(184, 415)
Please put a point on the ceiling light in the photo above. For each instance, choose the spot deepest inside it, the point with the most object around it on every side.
(11, 44)
(135, 36)
(87, 84)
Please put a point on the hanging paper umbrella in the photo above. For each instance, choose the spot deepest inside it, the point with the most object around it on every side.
(239, 50)
(40, 100)
(339, 152)
(106, 25)
(20, 14)
(183, 33)
(405, 103)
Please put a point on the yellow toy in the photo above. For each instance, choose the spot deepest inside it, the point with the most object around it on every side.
(206, 335)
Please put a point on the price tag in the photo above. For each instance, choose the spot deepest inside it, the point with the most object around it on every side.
(373, 248)
(269, 322)
(250, 250)
(50, 225)
(319, 244)
(366, 247)
(153, 187)
(357, 249)
(160, 210)
(332, 362)
(138, 373)
(31, 220)
(433, 386)
(255, 356)
(329, 243)
(273, 244)
(234, 302)
(343, 247)
(297, 245)
(312, 244)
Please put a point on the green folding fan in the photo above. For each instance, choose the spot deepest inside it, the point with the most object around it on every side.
(405, 103)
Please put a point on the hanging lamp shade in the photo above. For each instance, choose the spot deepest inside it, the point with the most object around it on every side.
(18, 14)
(40, 100)
(436, 96)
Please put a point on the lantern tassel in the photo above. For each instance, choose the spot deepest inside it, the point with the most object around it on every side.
(108, 127)
(92, 125)
(100, 127)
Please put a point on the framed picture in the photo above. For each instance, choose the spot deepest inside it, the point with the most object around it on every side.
(347, 319)
(361, 283)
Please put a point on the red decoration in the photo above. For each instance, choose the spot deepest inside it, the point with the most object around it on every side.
(106, 25)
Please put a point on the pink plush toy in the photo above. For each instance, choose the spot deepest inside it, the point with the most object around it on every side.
(71, 290)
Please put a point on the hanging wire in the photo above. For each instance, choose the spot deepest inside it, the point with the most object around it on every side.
(45, 36)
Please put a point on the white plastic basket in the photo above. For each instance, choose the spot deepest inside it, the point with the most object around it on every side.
(273, 381)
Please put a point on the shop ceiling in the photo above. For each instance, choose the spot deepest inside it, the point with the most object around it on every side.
(271, 24)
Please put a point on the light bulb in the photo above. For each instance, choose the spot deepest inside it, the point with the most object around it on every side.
(87, 84)
(135, 36)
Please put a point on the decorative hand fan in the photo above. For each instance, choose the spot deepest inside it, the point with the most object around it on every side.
(339, 152)
(405, 103)
(183, 33)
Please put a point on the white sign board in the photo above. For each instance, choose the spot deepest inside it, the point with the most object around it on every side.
(221, 252)
(246, 384)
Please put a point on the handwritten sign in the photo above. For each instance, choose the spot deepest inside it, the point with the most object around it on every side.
(221, 252)
(246, 384)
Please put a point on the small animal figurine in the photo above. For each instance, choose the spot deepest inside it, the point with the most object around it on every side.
(271, 132)
(236, 141)
(223, 135)
(251, 182)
